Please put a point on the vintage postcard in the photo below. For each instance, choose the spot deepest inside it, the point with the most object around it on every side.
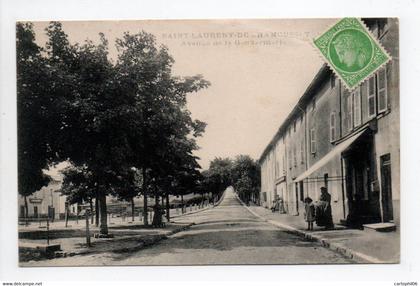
(208, 142)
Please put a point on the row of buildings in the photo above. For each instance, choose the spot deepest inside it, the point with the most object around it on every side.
(345, 141)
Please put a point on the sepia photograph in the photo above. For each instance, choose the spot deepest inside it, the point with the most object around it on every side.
(208, 142)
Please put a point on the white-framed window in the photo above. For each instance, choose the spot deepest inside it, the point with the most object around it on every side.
(313, 140)
(290, 159)
(302, 152)
(357, 107)
(382, 90)
(332, 81)
(371, 90)
(284, 165)
(333, 128)
(349, 103)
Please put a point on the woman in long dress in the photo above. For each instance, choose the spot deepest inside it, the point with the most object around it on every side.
(325, 211)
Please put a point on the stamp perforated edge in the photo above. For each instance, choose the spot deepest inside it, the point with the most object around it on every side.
(326, 61)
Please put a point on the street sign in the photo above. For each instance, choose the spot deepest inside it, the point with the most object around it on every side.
(35, 201)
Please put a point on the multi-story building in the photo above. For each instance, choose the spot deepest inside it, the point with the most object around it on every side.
(346, 142)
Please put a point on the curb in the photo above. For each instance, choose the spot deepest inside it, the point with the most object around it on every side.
(345, 251)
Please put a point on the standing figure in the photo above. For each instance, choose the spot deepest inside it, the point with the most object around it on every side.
(325, 208)
(157, 216)
(309, 213)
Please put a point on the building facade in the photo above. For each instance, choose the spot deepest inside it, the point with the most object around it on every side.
(345, 141)
(46, 202)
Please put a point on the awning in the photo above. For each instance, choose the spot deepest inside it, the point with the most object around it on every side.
(338, 149)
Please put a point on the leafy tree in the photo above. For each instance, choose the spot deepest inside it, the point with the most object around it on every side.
(166, 131)
(242, 173)
(246, 177)
(131, 188)
(220, 174)
(32, 105)
(91, 119)
(104, 118)
(79, 187)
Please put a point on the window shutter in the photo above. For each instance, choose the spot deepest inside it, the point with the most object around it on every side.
(357, 109)
(371, 89)
(382, 91)
(332, 126)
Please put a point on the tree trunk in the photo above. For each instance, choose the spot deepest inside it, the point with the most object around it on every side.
(66, 214)
(26, 210)
(91, 210)
(132, 209)
(182, 203)
(103, 227)
(202, 199)
(168, 208)
(145, 218)
(96, 209)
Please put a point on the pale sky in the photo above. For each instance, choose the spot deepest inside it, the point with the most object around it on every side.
(254, 82)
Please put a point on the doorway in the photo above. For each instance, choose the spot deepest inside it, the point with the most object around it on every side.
(35, 211)
(361, 186)
(386, 188)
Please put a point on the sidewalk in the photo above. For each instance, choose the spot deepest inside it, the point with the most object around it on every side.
(112, 221)
(361, 245)
(128, 235)
(127, 238)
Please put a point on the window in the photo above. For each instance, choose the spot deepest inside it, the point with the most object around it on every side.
(382, 28)
(284, 165)
(332, 81)
(371, 96)
(382, 91)
(349, 101)
(301, 192)
(302, 152)
(332, 126)
(357, 107)
(290, 159)
(294, 156)
(313, 142)
(313, 104)
(294, 126)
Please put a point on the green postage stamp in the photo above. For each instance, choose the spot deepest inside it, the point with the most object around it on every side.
(351, 51)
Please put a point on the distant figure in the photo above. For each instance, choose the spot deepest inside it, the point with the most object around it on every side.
(157, 216)
(278, 206)
(309, 212)
(281, 206)
(275, 206)
(323, 211)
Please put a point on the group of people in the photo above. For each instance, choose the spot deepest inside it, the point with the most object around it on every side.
(319, 212)
(278, 206)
